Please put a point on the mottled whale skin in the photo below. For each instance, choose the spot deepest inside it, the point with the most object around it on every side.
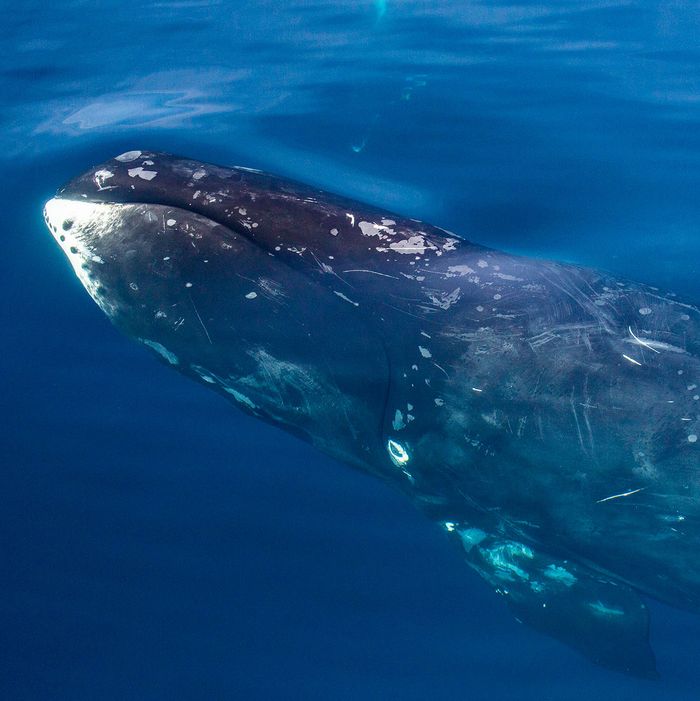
(546, 415)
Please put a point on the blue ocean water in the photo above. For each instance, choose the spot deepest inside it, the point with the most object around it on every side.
(155, 543)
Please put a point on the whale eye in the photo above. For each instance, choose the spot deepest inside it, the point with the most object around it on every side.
(397, 453)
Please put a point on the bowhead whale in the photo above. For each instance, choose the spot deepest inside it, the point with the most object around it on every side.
(546, 415)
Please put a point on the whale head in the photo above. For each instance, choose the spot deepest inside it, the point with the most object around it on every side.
(209, 272)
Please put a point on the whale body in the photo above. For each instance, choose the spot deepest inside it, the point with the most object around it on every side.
(545, 415)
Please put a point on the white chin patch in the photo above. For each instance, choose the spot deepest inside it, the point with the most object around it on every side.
(67, 220)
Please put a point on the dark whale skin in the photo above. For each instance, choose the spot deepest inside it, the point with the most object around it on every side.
(546, 415)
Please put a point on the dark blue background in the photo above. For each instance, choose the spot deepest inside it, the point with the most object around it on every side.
(156, 544)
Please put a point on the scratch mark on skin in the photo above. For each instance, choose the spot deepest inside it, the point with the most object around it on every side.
(641, 343)
(196, 311)
(632, 360)
(374, 272)
(624, 494)
(586, 404)
(578, 426)
(443, 370)
(324, 268)
(347, 299)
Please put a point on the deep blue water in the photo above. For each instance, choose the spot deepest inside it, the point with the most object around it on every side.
(155, 543)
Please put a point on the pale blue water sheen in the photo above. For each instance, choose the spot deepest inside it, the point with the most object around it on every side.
(157, 545)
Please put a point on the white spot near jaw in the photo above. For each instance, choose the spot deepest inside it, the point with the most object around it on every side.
(141, 173)
(128, 156)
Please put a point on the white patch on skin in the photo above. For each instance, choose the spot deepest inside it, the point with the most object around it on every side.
(171, 222)
(334, 232)
(102, 175)
(162, 350)
(388, 222)
(188, 284)
(413, 244)
(497, 297)
(347, 299)
(483, 264)
(425, 352)
(445, 300)
(479, 309)
(141, 173)
(398, 423)
(204, 374)
(148, 163)
(128, 156)
(644, 311)
(240, 397)
(460, 270)
(692, 438)
(198, 174)
(450, 245)
(602, 609)
(242, 211)
(504, 276)
(471, 537)
(370, 229)
(560, 574)
(691, 387)
(439, 402)
(351, 217)
(251, 295)
(631, 360)
(399, 455)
